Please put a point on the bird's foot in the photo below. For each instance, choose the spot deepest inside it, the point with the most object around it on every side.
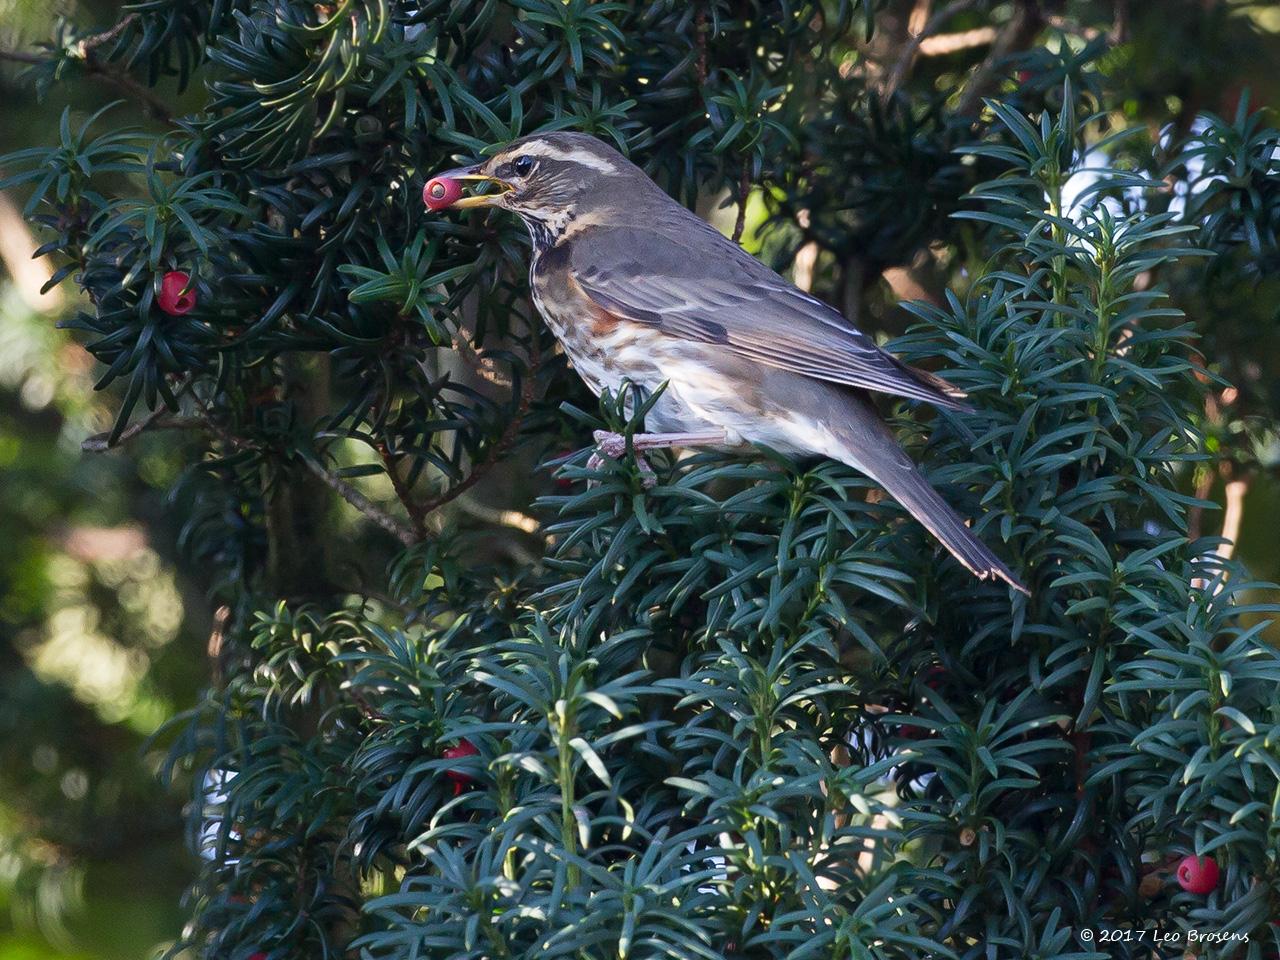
(614, 446)
(608, 444)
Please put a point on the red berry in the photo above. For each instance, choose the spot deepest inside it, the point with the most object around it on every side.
(935, 676)
(465, 748)
(174, 298)
(258, 956)
(911, 732)
(441, 193)
(1198, 874)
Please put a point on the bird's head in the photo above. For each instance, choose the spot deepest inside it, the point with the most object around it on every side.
(549, 179)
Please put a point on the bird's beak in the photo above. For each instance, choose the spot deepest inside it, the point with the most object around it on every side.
(473, 173)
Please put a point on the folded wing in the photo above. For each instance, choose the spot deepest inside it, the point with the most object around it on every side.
(736, 302)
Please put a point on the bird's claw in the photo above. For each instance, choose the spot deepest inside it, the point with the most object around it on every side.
(614, 446)
(611, 445)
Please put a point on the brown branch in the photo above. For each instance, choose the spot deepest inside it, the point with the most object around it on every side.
(483, 366)
(700, 35)
(402, 491)
(217, 636)
(806, 262)
(157, 420)
(806, 259)
(511, 546)
(853, 282)
(98, 39)
(918, 33)
(1120, 26)
(908, 282)
(1233, 517)
(83, 51)
(1234, 491)
(744, 193)
(949, 43)
(399, 530)
(1195, 516)
(1017, 33)
(1215, 414)
(499, 517)
(1068, 25)
(1204, 484)
(504, 442)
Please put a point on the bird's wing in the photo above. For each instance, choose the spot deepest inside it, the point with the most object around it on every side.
(705, 288)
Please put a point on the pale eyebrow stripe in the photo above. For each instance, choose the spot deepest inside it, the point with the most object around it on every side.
(584, 157)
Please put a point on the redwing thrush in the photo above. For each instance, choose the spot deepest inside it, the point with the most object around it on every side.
(637, 287)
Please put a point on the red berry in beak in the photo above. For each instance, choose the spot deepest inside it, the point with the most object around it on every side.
(441, 193)
(172, 299)
(1198, 874)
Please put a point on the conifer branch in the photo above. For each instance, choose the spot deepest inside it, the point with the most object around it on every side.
(396, 528)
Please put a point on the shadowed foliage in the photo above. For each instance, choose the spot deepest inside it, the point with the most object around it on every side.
(471, 695)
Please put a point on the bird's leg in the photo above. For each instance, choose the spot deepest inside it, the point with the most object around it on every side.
(614, 445)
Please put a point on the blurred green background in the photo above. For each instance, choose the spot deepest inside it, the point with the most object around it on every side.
(102, 635)
(104, 629)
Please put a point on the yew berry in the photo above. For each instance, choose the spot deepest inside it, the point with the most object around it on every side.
(175, 299)
(441, 192)
(464, 748)
(934, 676)
(1198, 874)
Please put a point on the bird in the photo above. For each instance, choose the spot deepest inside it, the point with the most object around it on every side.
(638, 288)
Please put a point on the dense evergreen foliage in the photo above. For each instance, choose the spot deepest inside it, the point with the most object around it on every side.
(472, 697)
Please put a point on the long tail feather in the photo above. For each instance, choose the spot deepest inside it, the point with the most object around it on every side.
(924, 503)
(870, 446)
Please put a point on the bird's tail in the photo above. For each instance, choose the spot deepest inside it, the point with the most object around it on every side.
(924, 503)
(874, 450)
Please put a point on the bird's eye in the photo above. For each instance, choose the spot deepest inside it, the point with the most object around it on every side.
(523, 165)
